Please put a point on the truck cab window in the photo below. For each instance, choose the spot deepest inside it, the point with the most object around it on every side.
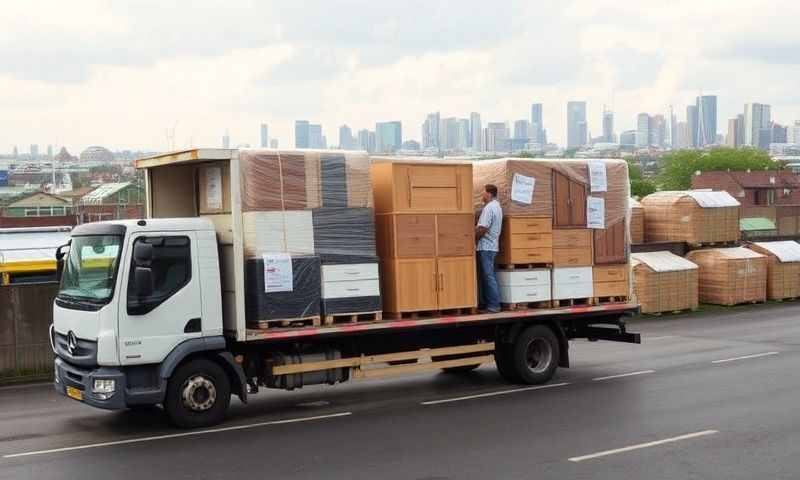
(170, 268)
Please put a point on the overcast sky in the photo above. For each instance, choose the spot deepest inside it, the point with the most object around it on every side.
(91, 73)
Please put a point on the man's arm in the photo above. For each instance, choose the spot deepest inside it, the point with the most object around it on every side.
(480, 231)
(484, 223)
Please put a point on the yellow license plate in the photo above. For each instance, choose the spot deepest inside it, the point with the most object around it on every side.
(73, 392)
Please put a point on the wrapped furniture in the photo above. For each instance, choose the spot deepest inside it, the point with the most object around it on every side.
(730, 276)
(783, 268)
(664, 282)
(692, 216)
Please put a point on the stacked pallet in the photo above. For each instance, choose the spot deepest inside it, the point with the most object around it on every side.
(564, 215)
(309, 237)
(730, 276)
(637, 222)
(783, 268)
(695, 217)
(425, 239)
(664, 282)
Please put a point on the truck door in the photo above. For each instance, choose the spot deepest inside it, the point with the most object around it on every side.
(151, 325)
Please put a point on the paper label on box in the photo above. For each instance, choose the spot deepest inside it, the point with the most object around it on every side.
(597, 176)
(522, 188)
(277, 272)
(214, 188)
(595, 212)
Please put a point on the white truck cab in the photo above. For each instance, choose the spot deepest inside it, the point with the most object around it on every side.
(136, 298)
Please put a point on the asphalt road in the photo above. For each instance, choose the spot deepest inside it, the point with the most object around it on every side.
(710, 396)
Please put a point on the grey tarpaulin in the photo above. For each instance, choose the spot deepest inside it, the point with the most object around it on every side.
(302, 301)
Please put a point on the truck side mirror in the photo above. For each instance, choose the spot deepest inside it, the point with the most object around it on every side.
(143, 281)
(142, 254)
(60, 254)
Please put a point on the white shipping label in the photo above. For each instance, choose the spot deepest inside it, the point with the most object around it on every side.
(522, 188)
(597, 176)
(595, 212)
(214, 188)
(277, 272)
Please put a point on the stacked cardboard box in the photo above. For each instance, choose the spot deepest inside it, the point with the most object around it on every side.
(567, 215)
(695, 217)
(424, 229)
(783, 268)
(730, 276)
(664, 282)
(314, 207)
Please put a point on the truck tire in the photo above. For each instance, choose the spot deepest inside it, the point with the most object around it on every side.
(198, 394)
(534, 355)
(502, 359)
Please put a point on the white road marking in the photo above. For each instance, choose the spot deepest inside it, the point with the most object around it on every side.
(745, 357)
(177, 435)
(643, 445)
(493, 394)
(641, 372)
(662, 337)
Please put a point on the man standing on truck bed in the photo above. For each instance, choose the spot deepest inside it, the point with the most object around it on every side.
(487, 234)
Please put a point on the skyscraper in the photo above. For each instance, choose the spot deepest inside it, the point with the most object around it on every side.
(706, 120)
(576, 124)
(496, 137)
(793, 133)
(366, 140)
(756, 119)
(779, 133)
(608, 126)
(388, 136)
(226, 140)
(264, 136)
(476, 131)
(430, 131)
(345, 138)
(50, 152)
(315, 138)
(628, 138)
(449, 134)
(658, 130)
(522, 129)
(673, 129)
(537, 124)
(691, 124)
(733, 138)
(301, 134)
(463, 133)
(643, 130)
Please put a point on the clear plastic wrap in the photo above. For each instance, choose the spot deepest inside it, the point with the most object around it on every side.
(302, 302)
(783, 268)
(678, 217)
(730, 276)
(344, 235)
(664, 282)
(278, 232)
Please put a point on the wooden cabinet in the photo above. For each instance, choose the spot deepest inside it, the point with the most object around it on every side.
(457, 285)
(422, 188)
(526, 240)
(405, 235)
(609, 244)
(455, 235)
(569, 202)
(572, 248)
(572, 283)
(611, 281)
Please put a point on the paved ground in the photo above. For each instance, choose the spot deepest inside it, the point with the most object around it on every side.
(693, 409)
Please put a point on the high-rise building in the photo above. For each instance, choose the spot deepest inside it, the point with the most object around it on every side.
(345, 138)
(273, 143)
(366, 140)
(34, 151)
(301, 128)
(448, 132)
(463, 133)
(608, 126)
(496, 137)
(576, 124)
(476, 131)
(643, 130)
(226, 140)
(756, 119)
(793, 133)
(315, 138)
(50, 152)
(733, 138)
(658, 131)
(537, 124)
(430, 131)
(522, 129)
(388, 136)
(691, 124)
(628, 138)
(264, 136)
(673, 128)
(684, 135)
(706, 120)
(779, 133)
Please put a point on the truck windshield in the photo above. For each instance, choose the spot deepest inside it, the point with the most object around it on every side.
(91, 268)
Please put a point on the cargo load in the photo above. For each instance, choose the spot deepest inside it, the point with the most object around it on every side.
(783, 268)
(637, 221)
(692, 216)
(730, 276)
(664, 282)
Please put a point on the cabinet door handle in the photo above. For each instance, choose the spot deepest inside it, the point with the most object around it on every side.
(441, 280)
(353, 289)
(532, 294)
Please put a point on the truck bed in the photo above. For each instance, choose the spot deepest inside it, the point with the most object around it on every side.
(279, 334)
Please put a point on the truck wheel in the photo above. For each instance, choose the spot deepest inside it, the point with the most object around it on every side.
(534, 354)
(198, 394)
(502, 359)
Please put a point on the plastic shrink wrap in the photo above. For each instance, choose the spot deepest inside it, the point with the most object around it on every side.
(302, 302)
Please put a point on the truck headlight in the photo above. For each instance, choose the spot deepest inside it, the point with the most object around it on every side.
(104, 387)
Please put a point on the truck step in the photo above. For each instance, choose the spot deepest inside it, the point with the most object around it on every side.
(353, 317)
(527, 305)
(431, 313)
(615, 299)
(312, 321)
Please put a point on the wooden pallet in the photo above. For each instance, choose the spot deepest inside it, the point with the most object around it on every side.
(353, 317)
(312, 321)
(572, 302)
(673, 312)
(528, 305)
(430, 313)
(523, 266)
(698, 246)
(614, 299)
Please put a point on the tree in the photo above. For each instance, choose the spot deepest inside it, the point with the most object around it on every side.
(677, 168)
(640, 186)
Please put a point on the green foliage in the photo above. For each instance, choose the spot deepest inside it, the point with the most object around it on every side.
(678, 167)
(640, 186)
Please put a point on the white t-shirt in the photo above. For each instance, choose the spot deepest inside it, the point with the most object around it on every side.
(491, 218)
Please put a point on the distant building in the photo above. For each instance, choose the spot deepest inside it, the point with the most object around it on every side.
(264, 136)
(315, 138)
(50, 152)
(673, 129)
(430, 131)
(34, 151)
(496, 137)
(96, 154)
(643, 125)
(628, 138)
(301, 134)
(346, 138)
(733, 138)
(706, 120)
(522, 129)
(577, 128)
(111, 201)
(779, 133)
(226, 141)
(388, 136)
(366, 140)
(754, 189)
(273, 143)
(476, 131)
(537, 124)
(411, 145)
(691, 124)
(658, 131)
(756, 120)
(39, 204)
(683, 136)
(63, 156)
(608, 127)
(793, 133)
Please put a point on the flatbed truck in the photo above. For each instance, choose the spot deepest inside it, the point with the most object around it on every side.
(121, 343)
